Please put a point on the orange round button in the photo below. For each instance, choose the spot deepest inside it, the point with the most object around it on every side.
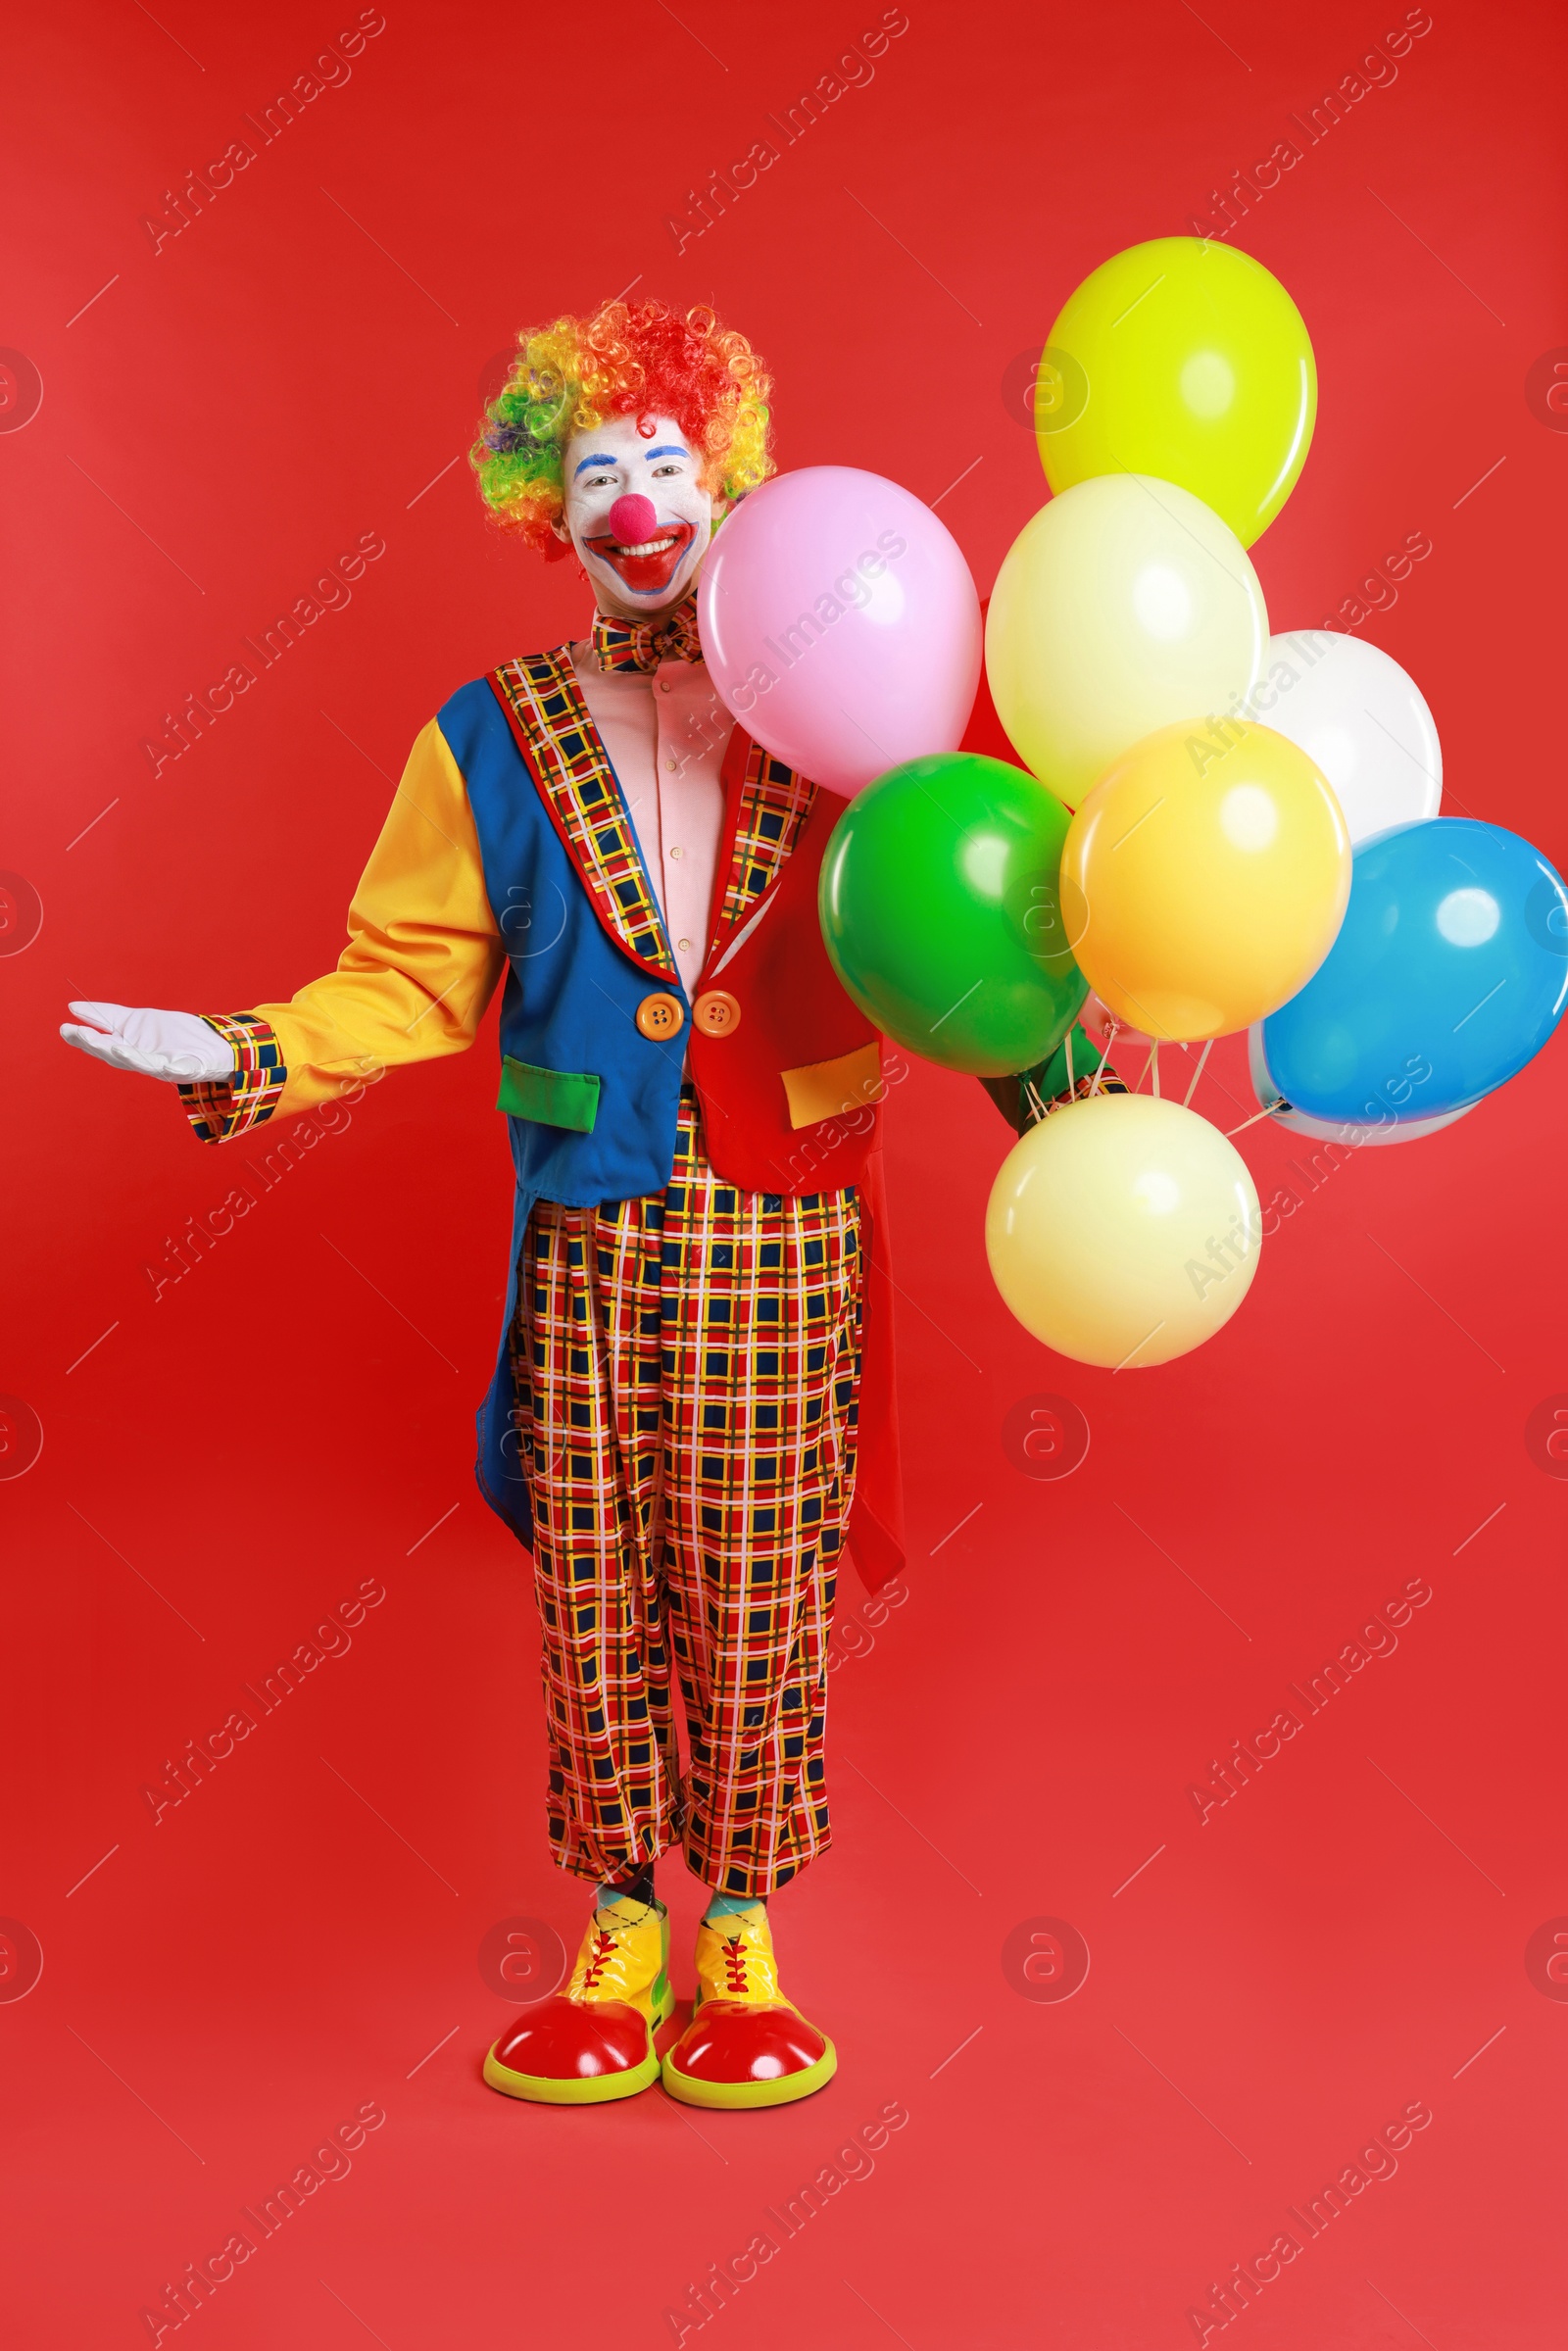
(716, 1012)
(660, 1017)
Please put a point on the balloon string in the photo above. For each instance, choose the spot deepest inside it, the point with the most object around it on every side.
(1072, 1083)
(1110, 1039)
(1279, 1105)
(1154, 1063)
(1198, 1072)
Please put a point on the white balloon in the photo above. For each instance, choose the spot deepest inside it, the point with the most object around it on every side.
(1361, 719)
(1327, 1130)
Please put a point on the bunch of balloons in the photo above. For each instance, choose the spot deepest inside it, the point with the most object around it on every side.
(1211, 829)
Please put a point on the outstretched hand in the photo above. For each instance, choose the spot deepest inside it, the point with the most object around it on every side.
(177, 1047)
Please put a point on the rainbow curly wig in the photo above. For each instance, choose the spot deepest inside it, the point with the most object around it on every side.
(643, 361)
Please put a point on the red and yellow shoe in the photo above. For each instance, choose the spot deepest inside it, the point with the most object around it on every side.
(746, 2044)
(595, 2040)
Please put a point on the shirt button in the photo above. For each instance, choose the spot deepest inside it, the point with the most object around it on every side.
(685, 945)
(675, 852)
(669, 762)
(663, 685)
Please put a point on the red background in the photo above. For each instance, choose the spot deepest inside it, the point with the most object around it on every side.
(224, 418)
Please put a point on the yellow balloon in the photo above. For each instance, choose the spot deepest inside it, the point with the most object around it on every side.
(1123, 1231)
(1187, 359)
(1205, 879)
(1121, 605)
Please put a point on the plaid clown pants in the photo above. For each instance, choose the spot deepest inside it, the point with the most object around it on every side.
(686, 1369)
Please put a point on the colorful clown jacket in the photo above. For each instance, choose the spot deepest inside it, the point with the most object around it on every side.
(510, 849)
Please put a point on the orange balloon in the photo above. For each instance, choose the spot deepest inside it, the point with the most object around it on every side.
(1205, 879)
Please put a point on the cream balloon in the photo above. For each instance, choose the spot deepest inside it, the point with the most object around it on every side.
(1123, 1231)
(1361, 719)
(1123, 605)
(1325, 1130)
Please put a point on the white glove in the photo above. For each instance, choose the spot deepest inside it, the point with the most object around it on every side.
(177, 1047)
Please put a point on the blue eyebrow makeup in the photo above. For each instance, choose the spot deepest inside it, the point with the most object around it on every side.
(649, 455)
(594, 461)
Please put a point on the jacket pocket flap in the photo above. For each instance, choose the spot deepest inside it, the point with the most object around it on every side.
(550, 1097)
(825, 1090)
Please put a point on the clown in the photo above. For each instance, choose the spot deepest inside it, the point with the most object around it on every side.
(691, 1409)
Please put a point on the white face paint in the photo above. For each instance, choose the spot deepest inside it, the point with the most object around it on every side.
(636, 578)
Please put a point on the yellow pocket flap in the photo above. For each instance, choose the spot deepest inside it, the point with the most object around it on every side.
(831, 1089)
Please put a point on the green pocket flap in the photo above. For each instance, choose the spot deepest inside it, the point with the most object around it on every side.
(551, 1098)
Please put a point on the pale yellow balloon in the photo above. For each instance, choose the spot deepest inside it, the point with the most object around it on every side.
(1205, 879)
(1126, 602)
(1123, 1231)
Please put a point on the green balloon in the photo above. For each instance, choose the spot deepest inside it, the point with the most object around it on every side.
(942, 915)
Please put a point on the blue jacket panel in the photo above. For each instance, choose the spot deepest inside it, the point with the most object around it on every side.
(572, 992)
(569, 1005)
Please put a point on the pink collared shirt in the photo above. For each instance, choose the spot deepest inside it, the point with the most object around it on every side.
(666, 734)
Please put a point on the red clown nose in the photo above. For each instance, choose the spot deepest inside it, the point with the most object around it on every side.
(633, 521)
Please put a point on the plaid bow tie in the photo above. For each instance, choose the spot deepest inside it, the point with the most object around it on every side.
(644, 644)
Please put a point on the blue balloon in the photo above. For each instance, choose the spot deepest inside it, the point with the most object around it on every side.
(1449, 973)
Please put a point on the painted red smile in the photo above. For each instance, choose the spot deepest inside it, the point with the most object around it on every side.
(651, 566)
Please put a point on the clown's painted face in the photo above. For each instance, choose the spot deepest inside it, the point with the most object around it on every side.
(637, 513)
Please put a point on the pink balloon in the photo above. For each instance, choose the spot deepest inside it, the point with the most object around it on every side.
(840, 624)
(1101, 1027)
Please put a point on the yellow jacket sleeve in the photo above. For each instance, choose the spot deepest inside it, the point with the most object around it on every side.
(422, 964)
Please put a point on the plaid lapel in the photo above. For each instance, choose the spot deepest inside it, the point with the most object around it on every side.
(766, 805)
(544, 706)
